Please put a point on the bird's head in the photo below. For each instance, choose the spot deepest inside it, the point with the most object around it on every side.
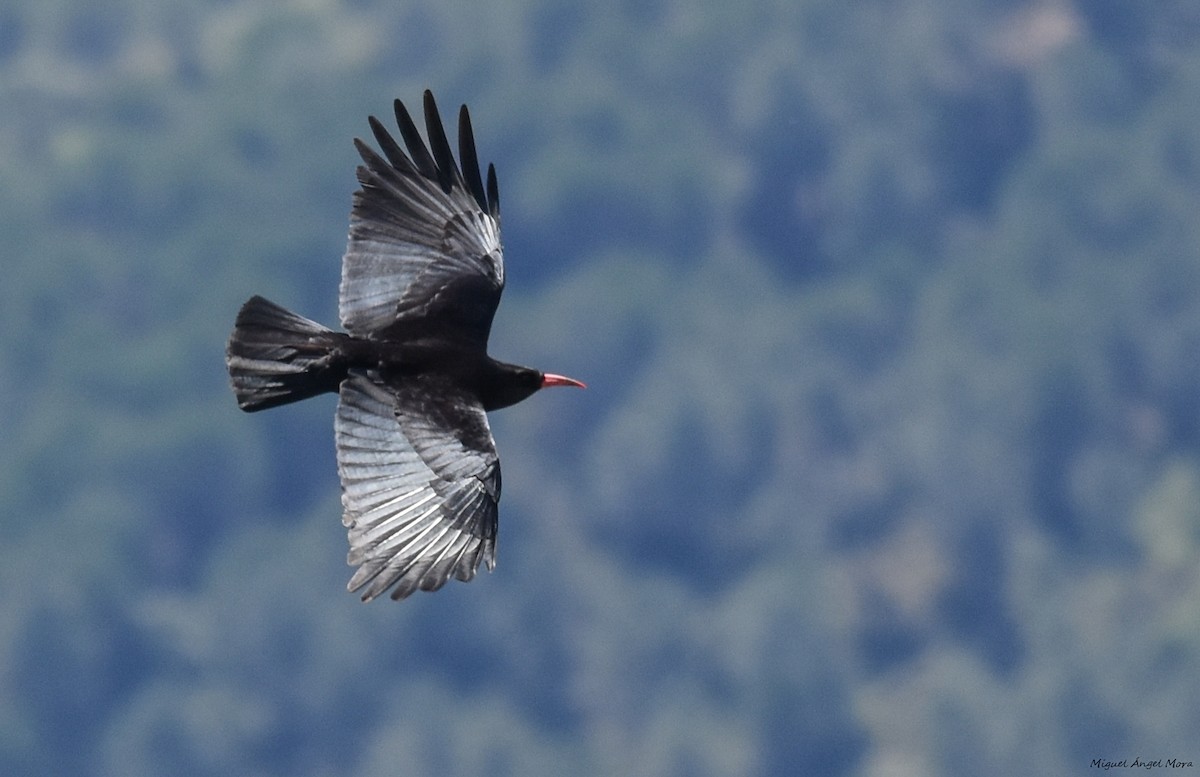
(512, 384)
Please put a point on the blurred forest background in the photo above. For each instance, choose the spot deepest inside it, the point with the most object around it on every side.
(890, 460)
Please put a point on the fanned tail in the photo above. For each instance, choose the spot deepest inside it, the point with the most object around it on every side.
(276, 357)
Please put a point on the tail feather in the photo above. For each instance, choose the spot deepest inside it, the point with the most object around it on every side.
(275, 357)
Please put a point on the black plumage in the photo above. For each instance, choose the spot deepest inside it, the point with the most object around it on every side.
(422, 276)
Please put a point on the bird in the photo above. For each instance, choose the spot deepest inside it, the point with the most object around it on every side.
(421, 279)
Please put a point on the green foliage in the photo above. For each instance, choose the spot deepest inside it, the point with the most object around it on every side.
(890, 457)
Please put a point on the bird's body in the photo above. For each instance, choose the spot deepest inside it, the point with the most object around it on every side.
(421, 279)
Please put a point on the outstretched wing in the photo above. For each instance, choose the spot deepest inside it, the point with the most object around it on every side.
(420, 483)
(424, 243)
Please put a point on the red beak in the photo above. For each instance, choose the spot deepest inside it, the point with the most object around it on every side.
(549, 380)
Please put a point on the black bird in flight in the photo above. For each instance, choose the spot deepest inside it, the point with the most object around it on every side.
(421, 279)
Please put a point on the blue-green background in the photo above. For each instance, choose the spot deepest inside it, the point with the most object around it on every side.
(890, 461)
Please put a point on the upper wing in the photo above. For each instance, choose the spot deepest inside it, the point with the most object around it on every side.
(424, 236)
(420, 484)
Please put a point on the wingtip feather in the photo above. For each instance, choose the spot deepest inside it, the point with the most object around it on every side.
(448, 174)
